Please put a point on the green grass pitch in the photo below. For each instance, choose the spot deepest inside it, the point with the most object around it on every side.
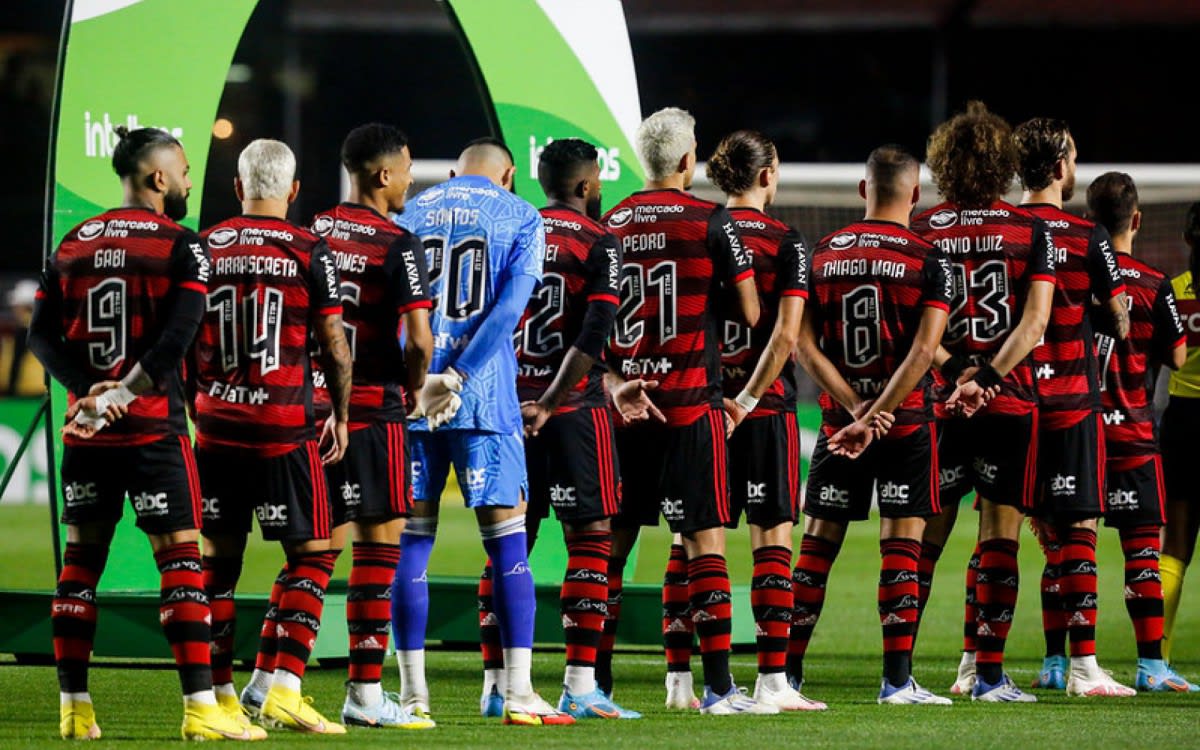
(137, 705)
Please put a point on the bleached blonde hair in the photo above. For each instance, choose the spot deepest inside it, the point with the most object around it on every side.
(663, 139)
(266, 168)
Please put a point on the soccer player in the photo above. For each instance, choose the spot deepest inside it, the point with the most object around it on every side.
(118, 305)
(878, 302)
(1002, 261)
(1071, 439)
(384, 290)
(274, 288)
(1179, 433)
(485, 249)
(682, 256)
(1136, 497)
(759, 382)
(569, 451)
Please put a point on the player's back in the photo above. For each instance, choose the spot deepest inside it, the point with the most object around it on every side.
(251, 357)
(116, 274)
(381, 278)
(476, 236)
(1127, 368)
(780, 257)
(678, 249)
(995, 253)
(870, 284)
(1065, 363)
(581, 260)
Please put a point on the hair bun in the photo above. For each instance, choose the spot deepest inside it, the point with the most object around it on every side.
(121, 131)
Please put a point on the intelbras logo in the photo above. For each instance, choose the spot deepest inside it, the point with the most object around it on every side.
(620, 217)
(100, 135)
(608, 158)
(943, 219)
(843, 240)
(222, 238)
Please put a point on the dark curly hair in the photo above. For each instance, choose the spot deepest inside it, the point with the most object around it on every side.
(734, 165)
(971, 157)
(1040, 143)
(366, 143)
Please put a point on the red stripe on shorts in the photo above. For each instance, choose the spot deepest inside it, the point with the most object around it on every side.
(193, 479)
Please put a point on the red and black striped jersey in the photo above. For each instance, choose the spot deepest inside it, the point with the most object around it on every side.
(582, 266)
(383, 276)
(870, 285)
(253, 374)
(1064, 364)
(111, 283)
(995, 254)
(1128, 368)
(780, 256)
(679, 250)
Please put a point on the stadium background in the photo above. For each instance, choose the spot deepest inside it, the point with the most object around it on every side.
(827, 80)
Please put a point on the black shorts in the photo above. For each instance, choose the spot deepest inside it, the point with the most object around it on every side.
(901, 471)
(764, 470)
(993, 454)
(371, 482)
(1071, 466)
(679, 472)
(572, 467)
(1178, 437)
(287, 494)
(1136, 497)
(160, 479)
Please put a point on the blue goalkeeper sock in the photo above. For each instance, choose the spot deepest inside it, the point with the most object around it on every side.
(410, 587)
(513, 599)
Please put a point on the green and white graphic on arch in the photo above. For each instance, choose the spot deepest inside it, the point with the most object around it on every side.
(560, 68)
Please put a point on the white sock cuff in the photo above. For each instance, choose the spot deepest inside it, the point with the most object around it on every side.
(514, 525)
(424, 526)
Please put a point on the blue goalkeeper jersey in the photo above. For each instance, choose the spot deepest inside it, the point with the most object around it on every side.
(476, 236)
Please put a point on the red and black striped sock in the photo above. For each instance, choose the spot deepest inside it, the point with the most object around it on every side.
(971, 603)
(677, 628)
(73, 614)
(300, 608)
(808, 597)
(771, 603)
(996, 592)
(1143, 588)
(930, 554)
(584, 597)
(1078, 579)
(369, 607)
(898, 605)
(1054, 617)
(184, 614)
(268, 638)
(608, 639)
(712, 613)
(221, 576)
(489, 626)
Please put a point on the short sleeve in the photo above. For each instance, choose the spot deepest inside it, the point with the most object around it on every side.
(190, 262)
(937, 284)
(1042, 254)
(324, 282)
(604, 270)
(407, 274)
(792, 258)
(1103, 271)
(1168, 326)
(731, 259)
